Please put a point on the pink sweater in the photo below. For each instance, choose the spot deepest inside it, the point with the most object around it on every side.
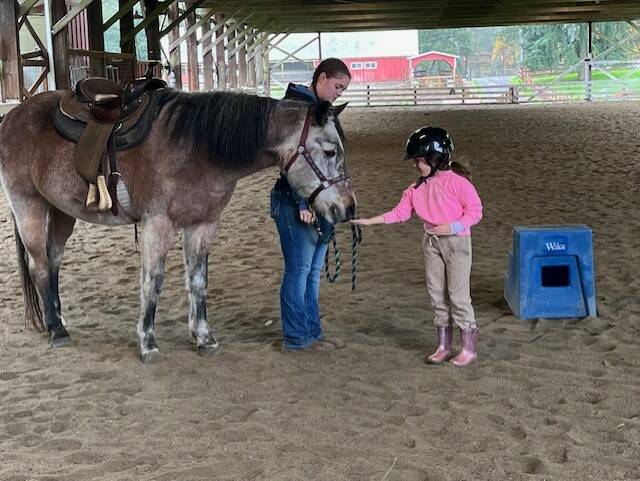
(445, 198)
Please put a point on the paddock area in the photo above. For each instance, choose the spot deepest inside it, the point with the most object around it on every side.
(552, 400)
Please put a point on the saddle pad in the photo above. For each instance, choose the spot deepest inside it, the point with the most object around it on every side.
(130, 134)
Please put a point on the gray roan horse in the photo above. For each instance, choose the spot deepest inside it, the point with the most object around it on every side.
(181, 177)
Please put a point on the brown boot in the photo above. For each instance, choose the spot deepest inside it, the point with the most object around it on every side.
(318, 346)
(469, 352)
(443, 353)
(336, 341)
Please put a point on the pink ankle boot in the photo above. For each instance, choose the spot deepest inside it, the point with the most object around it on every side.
(469, 352)
(443, 353)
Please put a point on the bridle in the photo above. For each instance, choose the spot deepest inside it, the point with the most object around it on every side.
(325, 184)
(302, 150)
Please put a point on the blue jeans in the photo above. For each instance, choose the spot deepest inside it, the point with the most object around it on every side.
(304, 254)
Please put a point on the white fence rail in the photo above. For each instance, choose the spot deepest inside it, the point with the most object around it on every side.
(605, 90)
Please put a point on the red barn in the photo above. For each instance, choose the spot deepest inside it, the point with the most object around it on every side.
(392, 69)
(378, 69)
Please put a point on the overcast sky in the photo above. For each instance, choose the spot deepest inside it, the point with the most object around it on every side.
(358, 44)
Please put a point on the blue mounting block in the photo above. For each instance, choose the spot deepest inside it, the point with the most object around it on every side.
(551, 272)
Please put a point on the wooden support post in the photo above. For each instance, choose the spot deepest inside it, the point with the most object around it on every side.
(174, 55)
(207, 59)
(242, 62)
(126, 71)
(96, 39)
(221, 64)
(266, 73)
(11, 82)
(257, 55)
(153, 33)
(233, 61)
(588, 64)
(192, 55)
(126, 25)
(60, 47)
(251, 68)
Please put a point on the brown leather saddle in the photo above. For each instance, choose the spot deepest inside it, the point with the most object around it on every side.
(102, 118)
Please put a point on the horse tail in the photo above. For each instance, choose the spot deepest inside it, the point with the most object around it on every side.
(32, 310)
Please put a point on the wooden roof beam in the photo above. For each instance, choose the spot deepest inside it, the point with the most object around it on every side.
(79, 7)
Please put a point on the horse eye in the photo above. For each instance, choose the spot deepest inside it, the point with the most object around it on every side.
(330, 153)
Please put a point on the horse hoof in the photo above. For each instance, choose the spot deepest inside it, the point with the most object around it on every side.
(149, 355)
(59, 339)
(208, 350)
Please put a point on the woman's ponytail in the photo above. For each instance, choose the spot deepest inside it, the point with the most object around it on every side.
(461, 169)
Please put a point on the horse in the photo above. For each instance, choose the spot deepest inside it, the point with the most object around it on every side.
(181, 176)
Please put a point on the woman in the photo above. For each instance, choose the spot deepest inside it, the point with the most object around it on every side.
(303, 245)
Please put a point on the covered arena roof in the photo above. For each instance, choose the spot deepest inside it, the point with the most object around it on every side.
(352, 15)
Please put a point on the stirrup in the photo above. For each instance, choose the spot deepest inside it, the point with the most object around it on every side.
(105, 199)
(92, 196)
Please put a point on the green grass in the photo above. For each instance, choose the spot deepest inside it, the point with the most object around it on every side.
(576, 91)
(573, 76)
(572, 87)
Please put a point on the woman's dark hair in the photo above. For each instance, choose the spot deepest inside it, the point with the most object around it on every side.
(332, 67)
(461, 169)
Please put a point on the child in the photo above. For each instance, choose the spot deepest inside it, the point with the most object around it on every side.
(448, 203)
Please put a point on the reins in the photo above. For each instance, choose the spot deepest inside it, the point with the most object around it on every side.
(356, 238)
(302, 151)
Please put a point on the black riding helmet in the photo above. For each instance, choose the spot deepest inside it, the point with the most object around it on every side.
(432, 143)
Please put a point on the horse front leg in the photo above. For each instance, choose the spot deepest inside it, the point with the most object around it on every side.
(197, 243)
(157, 236)
(60, 227)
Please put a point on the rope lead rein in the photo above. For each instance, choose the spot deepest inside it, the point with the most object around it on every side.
(336, 253)
(356, 236)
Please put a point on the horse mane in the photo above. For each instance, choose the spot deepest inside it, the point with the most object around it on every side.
(229, 128)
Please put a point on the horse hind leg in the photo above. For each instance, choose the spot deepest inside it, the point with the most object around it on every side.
(197, 243)
(40, 299)
(32, 311)
(157, 236)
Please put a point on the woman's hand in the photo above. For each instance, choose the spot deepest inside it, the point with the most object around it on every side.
(307, 216)
(443, 229)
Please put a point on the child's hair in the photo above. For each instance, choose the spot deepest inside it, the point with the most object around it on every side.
(332, 67)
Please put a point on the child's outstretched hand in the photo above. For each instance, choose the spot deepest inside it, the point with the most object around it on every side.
(378, 219)
(443, 229)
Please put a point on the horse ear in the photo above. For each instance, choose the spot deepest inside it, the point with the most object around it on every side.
(338, 110)
(321, 113)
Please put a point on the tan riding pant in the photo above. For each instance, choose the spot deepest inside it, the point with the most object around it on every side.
(448, 266)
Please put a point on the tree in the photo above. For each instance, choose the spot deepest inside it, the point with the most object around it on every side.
(457, 41)
(552, 46)
(112, 36)
(506, 47)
